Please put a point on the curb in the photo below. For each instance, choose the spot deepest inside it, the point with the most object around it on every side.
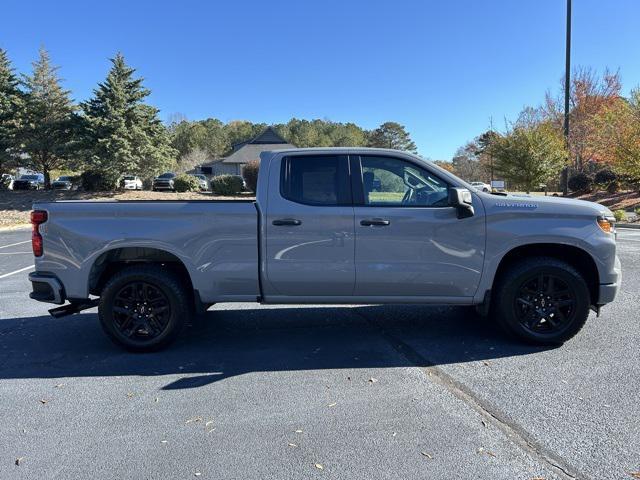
(630, 226)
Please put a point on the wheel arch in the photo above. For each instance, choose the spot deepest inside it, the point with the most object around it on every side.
(110, 262)
(577, 257)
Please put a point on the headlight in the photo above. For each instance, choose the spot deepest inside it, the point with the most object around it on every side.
(607, 224)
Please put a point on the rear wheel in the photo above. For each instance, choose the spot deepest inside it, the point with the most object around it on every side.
(143, 308)
(542, 300)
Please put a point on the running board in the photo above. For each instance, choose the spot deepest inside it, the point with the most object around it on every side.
(71, 308)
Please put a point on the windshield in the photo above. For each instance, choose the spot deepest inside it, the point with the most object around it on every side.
(63, 179)
(200, 176)
(29, 177)
(129, 177)
(167, 175)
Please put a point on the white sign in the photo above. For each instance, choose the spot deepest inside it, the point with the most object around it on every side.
(497, 183)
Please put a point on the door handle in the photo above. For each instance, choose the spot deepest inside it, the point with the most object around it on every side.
(378, 222)
(286, 221)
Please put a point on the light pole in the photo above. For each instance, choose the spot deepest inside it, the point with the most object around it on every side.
(567, 92)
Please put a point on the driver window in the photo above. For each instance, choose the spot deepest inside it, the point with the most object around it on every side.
(394, 182)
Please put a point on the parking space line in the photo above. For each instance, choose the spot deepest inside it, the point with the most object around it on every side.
(17, 271)
(14, 244)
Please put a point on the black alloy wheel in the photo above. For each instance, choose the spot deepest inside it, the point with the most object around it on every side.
(541, 300)
(144, 307)
(545, 304)
(141, 311)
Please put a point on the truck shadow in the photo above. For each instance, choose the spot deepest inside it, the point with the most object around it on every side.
(228, 343)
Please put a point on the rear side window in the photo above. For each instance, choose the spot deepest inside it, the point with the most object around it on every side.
(316, 180)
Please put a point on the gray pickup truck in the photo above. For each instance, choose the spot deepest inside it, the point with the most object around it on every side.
(341, 226)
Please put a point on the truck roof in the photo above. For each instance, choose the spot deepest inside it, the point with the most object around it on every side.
(268, 154)
(334, 150)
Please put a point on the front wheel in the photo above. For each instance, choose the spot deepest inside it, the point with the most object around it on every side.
(143, 308)
(542, 300)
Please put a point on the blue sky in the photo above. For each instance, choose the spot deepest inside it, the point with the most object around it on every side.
(442, 68)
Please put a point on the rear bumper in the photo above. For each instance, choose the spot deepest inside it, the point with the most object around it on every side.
(46, 288)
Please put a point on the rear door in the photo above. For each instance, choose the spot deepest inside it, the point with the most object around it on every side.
(309, 227)
(409, 241)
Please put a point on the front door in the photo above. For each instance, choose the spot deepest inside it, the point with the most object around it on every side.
(409, 241)
(309, 228)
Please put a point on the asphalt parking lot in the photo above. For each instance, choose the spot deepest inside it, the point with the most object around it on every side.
(366, 392)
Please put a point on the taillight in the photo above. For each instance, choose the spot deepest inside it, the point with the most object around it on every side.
(38, 217)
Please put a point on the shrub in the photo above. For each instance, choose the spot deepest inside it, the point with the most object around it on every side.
(605, 177)
(637, 210)
(580, 182)
(95, 180)
(613, 187)
(226, 184)
(250, 175)
(186, 183)
(620, 215)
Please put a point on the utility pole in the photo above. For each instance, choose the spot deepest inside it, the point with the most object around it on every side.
(567, 93)
(490, 154)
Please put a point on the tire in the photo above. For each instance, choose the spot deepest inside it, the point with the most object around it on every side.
(542, 300)
(164, 308)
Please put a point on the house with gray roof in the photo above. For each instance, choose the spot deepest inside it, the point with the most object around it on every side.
(244, 153)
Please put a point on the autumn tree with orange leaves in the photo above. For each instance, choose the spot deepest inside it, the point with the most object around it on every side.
(591, 98)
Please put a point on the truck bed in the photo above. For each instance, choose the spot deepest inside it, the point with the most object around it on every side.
(217, 241)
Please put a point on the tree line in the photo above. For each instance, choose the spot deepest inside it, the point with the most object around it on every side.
(197, 141)
(116, 132)
(603, 145)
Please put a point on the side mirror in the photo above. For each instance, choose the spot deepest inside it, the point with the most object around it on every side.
(461, 199)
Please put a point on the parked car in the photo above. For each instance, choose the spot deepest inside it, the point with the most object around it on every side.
(204, 183)
(6, 181)
(483, 187)
(317, 234)
(62, 183)
(164, 182)
(29, 182)
(131, 182)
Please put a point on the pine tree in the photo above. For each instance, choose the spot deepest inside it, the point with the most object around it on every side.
(122, 134)
(392, 135)
(11, 109)
(47, 127)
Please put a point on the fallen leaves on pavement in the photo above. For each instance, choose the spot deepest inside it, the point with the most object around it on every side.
(428, 455)
(19, 461)
(487, 452)
(318, 466)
